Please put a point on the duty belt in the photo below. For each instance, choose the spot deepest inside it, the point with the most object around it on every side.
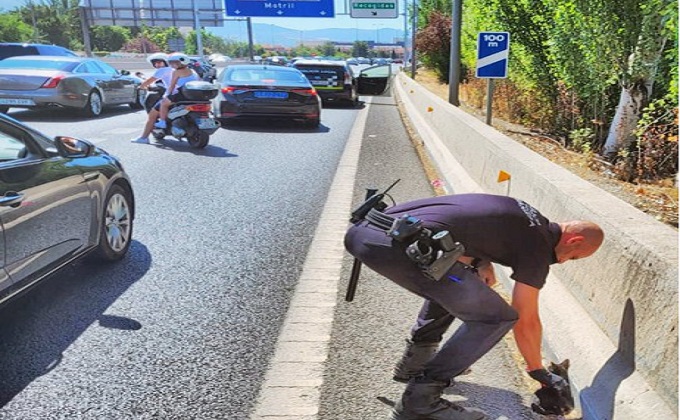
(434, 252)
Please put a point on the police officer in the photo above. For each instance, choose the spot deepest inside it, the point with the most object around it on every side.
(493, 229)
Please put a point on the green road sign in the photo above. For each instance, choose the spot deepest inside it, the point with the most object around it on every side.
(373, 9)
(374, 6)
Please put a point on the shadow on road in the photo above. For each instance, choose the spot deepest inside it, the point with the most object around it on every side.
(600, 396)
(183, 146)
(272, 126)
(67, 115)
(470, 394)
(38, 327)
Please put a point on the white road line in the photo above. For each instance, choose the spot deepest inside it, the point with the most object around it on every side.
(292, 386)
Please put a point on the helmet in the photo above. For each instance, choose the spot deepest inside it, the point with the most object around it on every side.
(157, 57)
(182, 58)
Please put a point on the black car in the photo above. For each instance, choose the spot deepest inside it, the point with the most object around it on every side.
(60, 199)
(334, 80)
(204, 68)
(266, 91)
(13, 49)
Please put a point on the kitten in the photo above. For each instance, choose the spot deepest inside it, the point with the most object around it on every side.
(550, 400)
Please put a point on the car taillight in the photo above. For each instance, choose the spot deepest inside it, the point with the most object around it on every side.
(309, 92)
(232, 90)
(53, 82)
(348, 78)
(198, 107)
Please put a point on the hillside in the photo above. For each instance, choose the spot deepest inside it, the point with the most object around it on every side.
(273, 34)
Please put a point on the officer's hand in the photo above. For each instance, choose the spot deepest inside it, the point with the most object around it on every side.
(548, 379)
(487, 274)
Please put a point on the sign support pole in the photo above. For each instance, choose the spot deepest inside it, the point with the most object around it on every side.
(489, 100)
(197, 28)
(250, 39)
(87, 43)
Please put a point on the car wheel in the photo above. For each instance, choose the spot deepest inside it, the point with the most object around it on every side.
(313, 123)
(115, 229)
(94, 105)
(4, 109)
(199, 141)
(158, 134)
(140, 97)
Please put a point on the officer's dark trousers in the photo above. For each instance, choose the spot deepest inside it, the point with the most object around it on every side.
(460, 293)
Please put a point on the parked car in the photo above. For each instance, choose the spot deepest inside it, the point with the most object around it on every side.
(277, 60)
(13, 49)
(334, 80)
(261, 91)
(61, 199)
(84, 84)
(204, 68)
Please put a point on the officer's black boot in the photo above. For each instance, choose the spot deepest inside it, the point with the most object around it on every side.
(422, 401)
(413, 361)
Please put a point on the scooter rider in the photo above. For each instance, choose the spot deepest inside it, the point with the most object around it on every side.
(180, 76)
(163, 73)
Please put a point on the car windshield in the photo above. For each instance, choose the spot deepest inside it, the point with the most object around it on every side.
(27, 63)
(266, 77)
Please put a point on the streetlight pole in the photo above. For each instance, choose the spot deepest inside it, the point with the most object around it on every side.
(454, 72)
(413, 39)
(405, 28)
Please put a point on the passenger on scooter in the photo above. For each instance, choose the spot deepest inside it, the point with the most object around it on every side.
(181, 76)
(163, 73)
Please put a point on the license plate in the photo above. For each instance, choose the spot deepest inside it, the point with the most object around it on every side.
(265, 94)
(11, 101)
(206, 123)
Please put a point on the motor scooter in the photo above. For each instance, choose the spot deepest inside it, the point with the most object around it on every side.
(191, 119)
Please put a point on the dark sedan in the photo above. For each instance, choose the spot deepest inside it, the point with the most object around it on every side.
(85, 84)
(60, 199)
(261, 91)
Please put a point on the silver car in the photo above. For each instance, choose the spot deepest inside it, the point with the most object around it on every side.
(81, 83)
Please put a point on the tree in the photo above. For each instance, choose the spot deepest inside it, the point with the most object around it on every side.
(57, 20)
(360, 49)
(434, 43)
(637, 80)
(327, 49)
(211, 43)
(160, 36)
(109, 38)
(141, 44)
(13, 29)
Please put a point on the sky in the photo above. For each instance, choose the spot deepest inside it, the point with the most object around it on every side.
(339, 21)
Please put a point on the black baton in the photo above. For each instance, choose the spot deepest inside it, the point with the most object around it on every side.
(353, 280)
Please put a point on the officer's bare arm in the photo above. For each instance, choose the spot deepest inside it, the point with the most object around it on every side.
(528, 330)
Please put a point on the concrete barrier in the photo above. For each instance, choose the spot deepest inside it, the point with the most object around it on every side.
(615, 314)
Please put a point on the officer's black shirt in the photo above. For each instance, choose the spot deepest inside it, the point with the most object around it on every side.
(501, 229)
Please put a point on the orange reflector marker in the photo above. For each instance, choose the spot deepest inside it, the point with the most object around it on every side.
(430, 109)
(503, 176)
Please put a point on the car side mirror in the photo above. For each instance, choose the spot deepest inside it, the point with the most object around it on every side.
(125, 72)
(72, 147)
